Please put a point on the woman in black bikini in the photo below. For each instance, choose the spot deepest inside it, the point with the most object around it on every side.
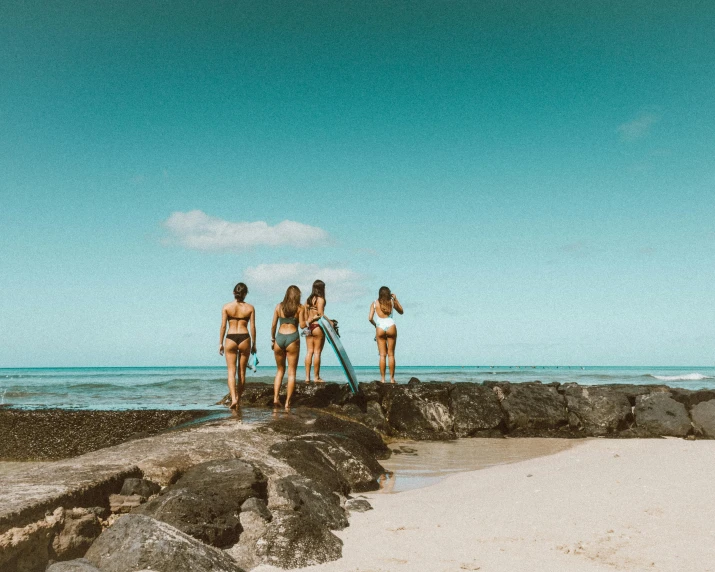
(315, 340)
(287, 316)
(238, 345)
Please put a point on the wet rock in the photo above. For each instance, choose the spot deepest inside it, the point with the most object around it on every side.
(308, 497)
(419, 411)
(78, 565)
(80, 528)
(141, 487)
(597, 410)
(632, 391)
(703, 415)
(124, 503)
(206, 501)
(661, 415)
(321, 394)
(691, 398)
(138, 542)
(475, 409)
(337, 462)
(533, 408)
(358, 505)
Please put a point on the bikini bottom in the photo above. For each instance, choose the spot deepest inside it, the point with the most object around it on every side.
(238, 338)
(284, 340)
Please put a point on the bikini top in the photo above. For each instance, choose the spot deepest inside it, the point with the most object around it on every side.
(378, 316)
(239, 319)
(292, 320)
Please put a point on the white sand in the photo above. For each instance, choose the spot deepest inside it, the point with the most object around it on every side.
(603, 505)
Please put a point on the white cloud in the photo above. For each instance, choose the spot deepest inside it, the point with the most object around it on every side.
(199, 231)
(638, 127)
(341, 284)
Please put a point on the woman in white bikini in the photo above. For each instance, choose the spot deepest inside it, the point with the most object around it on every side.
(315, 340)
(239, 343)
(288, 316)
(385, 328)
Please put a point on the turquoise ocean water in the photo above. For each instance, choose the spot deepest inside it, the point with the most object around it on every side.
(202, 387)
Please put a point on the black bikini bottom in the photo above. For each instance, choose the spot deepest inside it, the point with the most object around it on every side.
(238, 338)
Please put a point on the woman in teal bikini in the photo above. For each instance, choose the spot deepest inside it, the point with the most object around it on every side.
(285, 342)
(238, 344)
(385, 328)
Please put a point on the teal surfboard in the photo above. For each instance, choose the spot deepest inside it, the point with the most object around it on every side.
(337, 345)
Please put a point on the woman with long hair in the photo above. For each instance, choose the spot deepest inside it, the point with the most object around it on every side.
(385, 328)
(238, 344)
(285, 342)
(315, 339)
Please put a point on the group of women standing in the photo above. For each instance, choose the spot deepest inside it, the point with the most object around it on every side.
(290, 318)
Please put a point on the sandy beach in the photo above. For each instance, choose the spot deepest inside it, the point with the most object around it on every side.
(601, 505)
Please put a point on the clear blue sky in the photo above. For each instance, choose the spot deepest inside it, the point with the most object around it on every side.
(535, 180)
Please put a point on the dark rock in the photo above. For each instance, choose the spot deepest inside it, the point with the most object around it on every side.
(138, 542)
(661, 415)
(633, 391)
(703, 415)
(141, 487)
(419, 411)
(300, 494)
(206, 501)
(475, 409)
(358, 505)
(321, 394)
(254, 504)
(691, 398)
(533, 408)
(246, 552)
(413, 381)
(368, 438)
(124, 503)
(293, 540)
(81, 527)
(597, 410)
(78, 565)
(337, 462)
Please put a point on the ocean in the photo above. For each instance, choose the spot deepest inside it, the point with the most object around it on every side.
(118, 388)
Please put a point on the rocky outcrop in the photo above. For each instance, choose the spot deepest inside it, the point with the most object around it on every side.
(532, 408)
(659, 414)
(138, 542)
(206, 502)
(80, 528)
(335, 461)
(476, 411)
(418, 411)
(597, 411)
(703, 415)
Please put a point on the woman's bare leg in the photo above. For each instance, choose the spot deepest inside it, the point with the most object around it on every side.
(382, 348)
(318, 344)
(293, 356)
(391, 343)
(308, 356)
(280, 370)
(244, 350)
(230, 350)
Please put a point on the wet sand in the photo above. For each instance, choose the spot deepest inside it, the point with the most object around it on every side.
(417, 464)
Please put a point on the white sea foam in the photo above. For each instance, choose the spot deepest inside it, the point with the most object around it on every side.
(686, 377)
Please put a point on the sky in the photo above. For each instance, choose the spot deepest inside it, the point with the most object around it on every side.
(534, 180)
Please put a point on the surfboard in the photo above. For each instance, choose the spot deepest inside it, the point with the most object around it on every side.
(334, 341)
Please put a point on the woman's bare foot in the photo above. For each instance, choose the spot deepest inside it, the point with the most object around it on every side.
(307, 381)
(276, 404)
(234, 405)
(319, 380)
(392, 381)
